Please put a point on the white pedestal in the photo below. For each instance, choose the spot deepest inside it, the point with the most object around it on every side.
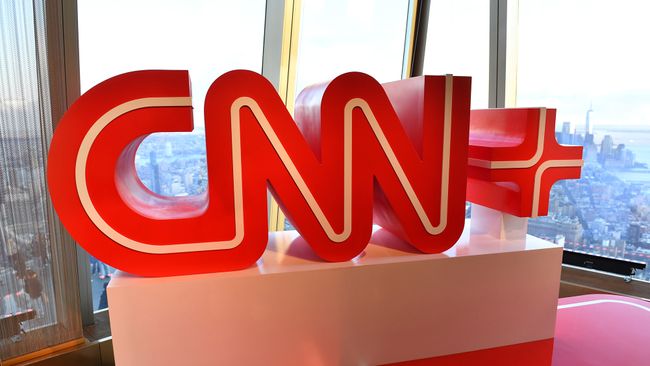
(389, 305)
(497, 224)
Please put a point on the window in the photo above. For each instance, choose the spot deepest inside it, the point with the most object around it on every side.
(458, 42)
(341, 36)
(351, 35)
(586, 59)
(38, 305)
(208, 38)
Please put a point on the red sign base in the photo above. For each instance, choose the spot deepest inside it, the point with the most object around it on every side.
(596, 330)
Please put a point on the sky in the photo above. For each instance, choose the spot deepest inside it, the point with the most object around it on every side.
(571, 54)
(357, 35)
(213, 37)
(581, 52)
(207, 38)
(458, 43)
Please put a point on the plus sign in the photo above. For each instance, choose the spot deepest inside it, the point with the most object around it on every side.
(514, 159)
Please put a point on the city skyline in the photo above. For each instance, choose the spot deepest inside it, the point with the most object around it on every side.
(600, 213)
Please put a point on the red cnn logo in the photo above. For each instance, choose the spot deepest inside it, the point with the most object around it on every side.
(358, 152)
(514, 159)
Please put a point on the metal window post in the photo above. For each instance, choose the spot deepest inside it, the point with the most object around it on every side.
(416, 38)
(498, 43)
(63, 62)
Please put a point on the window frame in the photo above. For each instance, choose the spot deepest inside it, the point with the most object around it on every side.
(63, 50)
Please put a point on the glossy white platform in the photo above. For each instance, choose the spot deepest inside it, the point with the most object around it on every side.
(391, 304)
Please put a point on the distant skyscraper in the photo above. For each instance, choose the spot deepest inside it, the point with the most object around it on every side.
(578, 139)
(606, 147)
(629, 159)
(566, 133)
(155, 172)
(590, 152)
(589, 137)
(619, 153)
(635, 231)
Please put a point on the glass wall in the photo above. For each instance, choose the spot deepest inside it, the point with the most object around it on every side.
(458, 42)
(340, 36)
(351, 35)
(36, 309)
(208, 38)
(588, 59)
(585, 58)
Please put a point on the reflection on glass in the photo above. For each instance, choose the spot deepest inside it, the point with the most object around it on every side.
(207, 38)
(458, 43)
(596, 76)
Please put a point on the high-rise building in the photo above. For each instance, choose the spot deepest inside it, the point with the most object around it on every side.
(619, 153)
(635, 232)
(155, 172)
(590, 151)
(566, 133)
(606, 147)
(589, 137)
